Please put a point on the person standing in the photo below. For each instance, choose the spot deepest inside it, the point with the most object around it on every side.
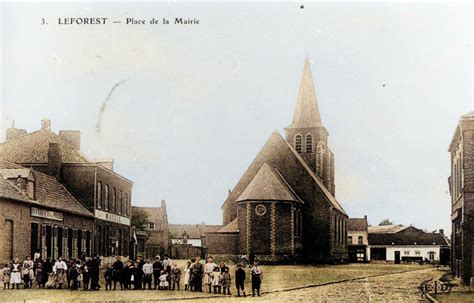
(208, 270)
(108, 277)
(127, 275)
(39, 273)
(175, 277)
(147, 273)
(256, 278)
(198, 269)
(138, 277)
(94, 272)
(240, 279)
(157, 268)
(28, 273)
(6, 270)
(117, 272)
(226, 281)
(187, 275)
(60, 269)
(15, 276)
(86, 275)
(73, 276)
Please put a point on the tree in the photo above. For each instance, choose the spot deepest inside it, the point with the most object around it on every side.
(385, 222)
(139, 218)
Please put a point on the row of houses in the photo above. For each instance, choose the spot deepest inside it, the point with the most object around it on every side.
(56, 201)
(395, 243)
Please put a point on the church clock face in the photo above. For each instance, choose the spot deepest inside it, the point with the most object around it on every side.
(260, 210)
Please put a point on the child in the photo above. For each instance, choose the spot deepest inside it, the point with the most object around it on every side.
(164, 280)
(85, 276)
(39, 274)
(175, 276)
(73, 275)
(225, 280)
(6, 276)
(51, 281)
(240, 279)
(108, 277)
(216, 279)
(256, 278)
(187, 276)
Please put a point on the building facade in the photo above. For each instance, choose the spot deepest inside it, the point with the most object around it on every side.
(156, 237)
(358, 239)
(287, 196)
(94, 184)
(401, 244)
(461, 187)
(39, 215)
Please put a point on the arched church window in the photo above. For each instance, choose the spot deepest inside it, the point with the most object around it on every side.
(298, 143)
(309, 143)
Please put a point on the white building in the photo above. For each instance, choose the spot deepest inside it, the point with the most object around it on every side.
(398, 244)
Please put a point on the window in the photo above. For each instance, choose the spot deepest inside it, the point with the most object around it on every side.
(417, 252)
(309, 143)
(99, 195)
(349, 240)
(360, 240)
(119, 203)
(431, 255)
(298, 143)
(406, 252)
(125, 205)
(297, 222)
(112, 207)
(151, 225)
(106, 197)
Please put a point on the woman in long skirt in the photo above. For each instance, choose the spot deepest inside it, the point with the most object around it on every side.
(15, 277)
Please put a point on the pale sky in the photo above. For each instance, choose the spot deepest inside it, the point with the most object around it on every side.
(197, 102)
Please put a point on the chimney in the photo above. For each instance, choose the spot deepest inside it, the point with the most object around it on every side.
(71, 137)
(46, 124)
(163, 204)
(54, 159)
(441, 231)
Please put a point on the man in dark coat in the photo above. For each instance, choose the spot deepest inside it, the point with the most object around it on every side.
(198, 270)
(240, 279)
(117, 268)
(95, 267)
(138, 278)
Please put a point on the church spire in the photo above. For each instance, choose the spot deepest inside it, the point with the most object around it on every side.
(306, 112)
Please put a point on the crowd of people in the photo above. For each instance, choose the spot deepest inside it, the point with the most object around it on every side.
(160, 274)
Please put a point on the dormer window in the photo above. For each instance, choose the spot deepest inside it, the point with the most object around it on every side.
(309, 143)
(298, 143)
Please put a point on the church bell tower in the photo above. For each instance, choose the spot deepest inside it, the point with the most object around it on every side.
(307, 135)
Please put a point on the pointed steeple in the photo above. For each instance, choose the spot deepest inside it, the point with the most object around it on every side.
(306, 112)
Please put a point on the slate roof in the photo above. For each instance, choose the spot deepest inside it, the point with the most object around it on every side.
(408, 239)
(357, 224)
(306, 112)
(194, 231)
(48, 191)
(33, 148)
(268, 185)
(387, 228)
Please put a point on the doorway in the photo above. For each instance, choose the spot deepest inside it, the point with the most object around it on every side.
(397, 257)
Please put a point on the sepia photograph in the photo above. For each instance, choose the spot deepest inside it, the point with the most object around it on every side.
(240, 151)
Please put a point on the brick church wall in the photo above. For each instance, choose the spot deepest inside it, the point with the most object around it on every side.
(223, 243)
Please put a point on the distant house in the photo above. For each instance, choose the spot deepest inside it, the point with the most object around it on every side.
(154, 238)
(194, 234)
(357, 239)
(399, 243)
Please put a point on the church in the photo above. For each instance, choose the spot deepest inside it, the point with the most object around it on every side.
(283, 209)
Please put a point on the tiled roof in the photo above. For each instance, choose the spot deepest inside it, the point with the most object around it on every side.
(194, 231)
(268, 185)
(158, 215)
(33, 148)
(232, 227)
(357, 224)
(408, 239)
(48, 191)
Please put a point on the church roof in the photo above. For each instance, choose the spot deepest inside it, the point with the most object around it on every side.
(278, 154)
(268, 184)
(33, 148)
(306, 112)
(232, 227)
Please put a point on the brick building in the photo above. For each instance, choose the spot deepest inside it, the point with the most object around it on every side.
(287, 195)
(94, 184)
(461, 187)
(39, 214)
(156, 240)
(358, 239)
